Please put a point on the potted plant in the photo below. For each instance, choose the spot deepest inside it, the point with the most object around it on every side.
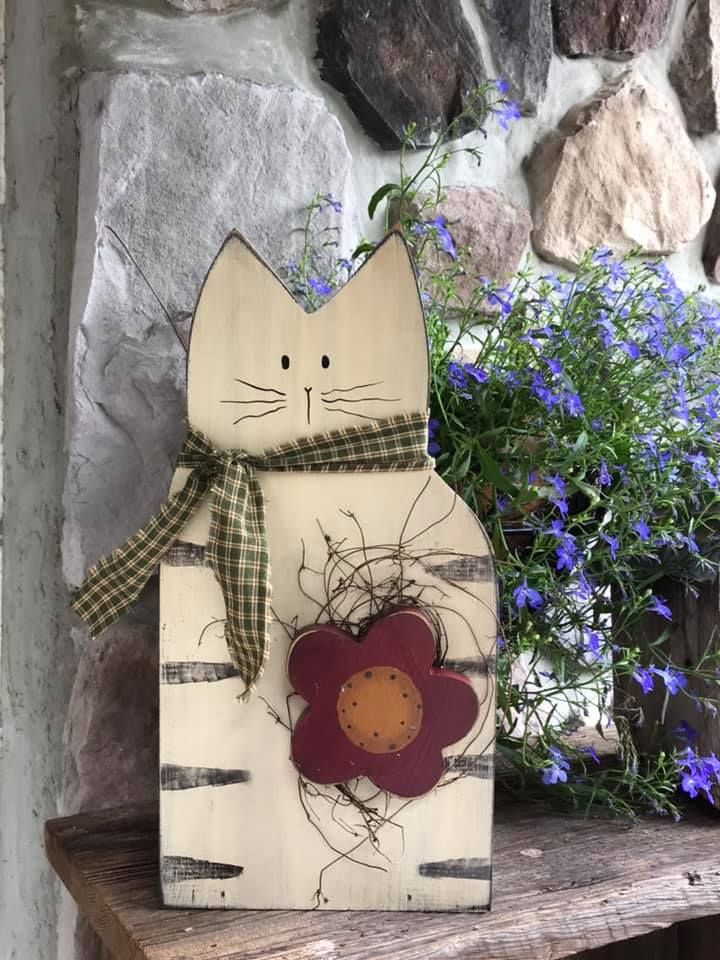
(578, 415)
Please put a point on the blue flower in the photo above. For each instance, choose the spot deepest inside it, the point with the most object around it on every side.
(439, 226)
(644, 677)
(523, 595)
(501, 297)
(674, 679)
(433, 447)
(566, 554)
(545, 396)
(631, 349)
(556, 770)
(686, 732)
(456, 376)
(601, 256)
(478, 375)
(321, 287)
(506, 113)
(604, 478)
(332, 202)
(659, 606)
(554, 365)
(642, 530)
(501, 85)
(593, 643)
(345, 264)
(591, 752)
(573, 404)
(583, 588)
(613, 543)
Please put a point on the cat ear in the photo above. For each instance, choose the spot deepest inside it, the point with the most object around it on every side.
(387, 281)
(374, 329)
(239, 286)
(240, 300)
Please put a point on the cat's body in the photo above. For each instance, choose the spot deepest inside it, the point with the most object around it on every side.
(239, 828)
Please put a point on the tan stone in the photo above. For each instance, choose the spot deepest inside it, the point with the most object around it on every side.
(491, 229)
(619, 170)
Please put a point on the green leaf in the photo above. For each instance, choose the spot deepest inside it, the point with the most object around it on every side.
(588, 490)
(362, 248)
(379, 195)
(493, 473)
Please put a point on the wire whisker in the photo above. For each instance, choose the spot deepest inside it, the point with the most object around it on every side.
(359, 386)
(267, 402)
(364, 400)
(256, 387)
(255, 416)
(351, 413)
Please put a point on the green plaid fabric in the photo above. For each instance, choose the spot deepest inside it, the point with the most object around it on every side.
(237, 545)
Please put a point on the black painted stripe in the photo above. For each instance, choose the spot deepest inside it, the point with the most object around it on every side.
(478, 765)
(472, 666)
(464, 868)
(196, 671)
(184, 554)
(468, 569)
(174, 777)
(177, 869)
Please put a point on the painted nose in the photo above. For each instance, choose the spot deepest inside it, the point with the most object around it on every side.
(308, 391)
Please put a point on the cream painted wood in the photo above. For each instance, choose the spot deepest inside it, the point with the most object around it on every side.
(436, 853)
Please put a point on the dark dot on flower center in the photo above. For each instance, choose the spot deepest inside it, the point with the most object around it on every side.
(349, 727)
(368, 674)
(348, 685)
(393, 746)
(393, 676)
(354, 703)
(376, 734)
(362, 743)
(402, 723)
(419, 706)
(405, 696)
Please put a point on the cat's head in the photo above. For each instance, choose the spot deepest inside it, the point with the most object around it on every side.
(262, 371)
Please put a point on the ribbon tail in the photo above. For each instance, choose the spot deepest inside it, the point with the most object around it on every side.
(113, 585)
(237, 552)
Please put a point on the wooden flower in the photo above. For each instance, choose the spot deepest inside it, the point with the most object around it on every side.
(377, 707)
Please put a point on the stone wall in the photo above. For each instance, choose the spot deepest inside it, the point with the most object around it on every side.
(175, 120)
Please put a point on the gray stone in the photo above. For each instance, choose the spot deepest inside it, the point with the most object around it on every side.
(111, 730)
(493, 230)
(397, 63)
(222, 6)
(612, 173)
(521, 38)
(612, 28)
(695, 72)
(171, 164)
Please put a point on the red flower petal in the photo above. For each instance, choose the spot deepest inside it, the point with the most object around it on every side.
(320, 655)
(403, 639)
(420, 771)
(451, 705)
(322, 752)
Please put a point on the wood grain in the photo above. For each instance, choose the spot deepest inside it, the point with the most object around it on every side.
(561, 886)
(262, 372)
(175, 777)
(695, 626)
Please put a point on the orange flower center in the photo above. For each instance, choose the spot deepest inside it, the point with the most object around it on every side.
(380, 709)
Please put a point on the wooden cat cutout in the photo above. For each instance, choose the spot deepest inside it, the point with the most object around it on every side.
(239, 826)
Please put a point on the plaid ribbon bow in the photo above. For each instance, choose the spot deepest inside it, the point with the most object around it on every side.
(237, 548)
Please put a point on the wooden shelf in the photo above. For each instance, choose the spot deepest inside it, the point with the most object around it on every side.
(561, 886)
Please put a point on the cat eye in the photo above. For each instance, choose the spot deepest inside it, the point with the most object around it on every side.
(285, 361)
(325, 361)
